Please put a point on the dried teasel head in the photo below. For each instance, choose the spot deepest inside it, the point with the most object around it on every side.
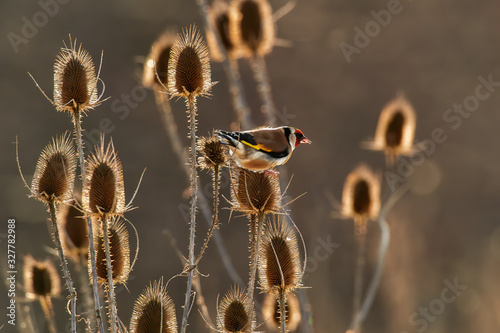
(218, 14)
(73, 231)
(40, 278)
(234, 314)
(271, 312)
(279, 262)
(189, 66)
(213, 153)
(251, 27)
(75, 80)
(119, 249)
(55, 171)
(361, 197)
(255, 191)
(155, 72)
(104, 191)
(154, 311)
(395, 129)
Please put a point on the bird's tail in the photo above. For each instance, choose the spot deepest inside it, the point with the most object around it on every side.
(229, 138)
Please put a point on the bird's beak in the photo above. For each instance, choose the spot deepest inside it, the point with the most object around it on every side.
(305, 140)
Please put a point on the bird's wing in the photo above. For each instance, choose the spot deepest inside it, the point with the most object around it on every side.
(270, 140)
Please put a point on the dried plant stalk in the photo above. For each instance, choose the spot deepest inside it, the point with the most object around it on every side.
(271, 312)
(113, 260)
(189, 77)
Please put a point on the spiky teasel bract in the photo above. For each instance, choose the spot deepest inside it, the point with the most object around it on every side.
(361, 197)
(119, 252)
(279, 262)
(251, 27)
(55, 171)
(155, 73)
(75, 80)
(395, 129)
(271, 312)
(255, 191)
(40, 278)
(189, 66)
(73, 231)
(213, 153)
(104, 191)
(218, 14)
(154, 311)
(234, 314)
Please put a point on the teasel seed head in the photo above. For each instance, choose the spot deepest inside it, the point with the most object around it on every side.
(75, 81)
(40, 278)
(395, 129)
(104, 191)
(213, 153)
(189, 66)
(154, 311)
(361, 196)
(251, 27)
(55, 171)
(279, 262)
(74, 232)
(234, 313)
(255, 191)
(271, 312)
(155, 74)
(119, 249)
(218, 14)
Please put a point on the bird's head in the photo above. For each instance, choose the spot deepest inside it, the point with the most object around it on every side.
(297, 137)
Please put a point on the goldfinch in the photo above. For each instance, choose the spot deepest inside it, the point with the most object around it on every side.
(263, 148)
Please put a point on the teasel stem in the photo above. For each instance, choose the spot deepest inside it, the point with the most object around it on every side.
(385, 236)
(95, 286)
(256, 235)
(64, 266)
(111, 287)
(84, 283)
(171, 128)
(232, 73)
(191, 101)
(48, 311)
(360, 238)
(258, 65)
(282, 299)
(215, 213)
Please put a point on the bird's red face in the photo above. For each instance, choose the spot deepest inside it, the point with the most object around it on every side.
(300, 138)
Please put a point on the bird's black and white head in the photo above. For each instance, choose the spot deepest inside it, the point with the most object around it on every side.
(295, 137)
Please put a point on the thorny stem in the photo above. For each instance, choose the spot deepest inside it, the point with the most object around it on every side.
(95, 286)
(111, 288)
(255, 257)
(360, 236)
(235, 88)
(385, 236)
(282, 301)
(48, 311)
(215, 213)
(171, 128)
(191, 101)
(64, 265)
(258, 65)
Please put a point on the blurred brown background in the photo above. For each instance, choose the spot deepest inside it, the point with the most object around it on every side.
(446, 228)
